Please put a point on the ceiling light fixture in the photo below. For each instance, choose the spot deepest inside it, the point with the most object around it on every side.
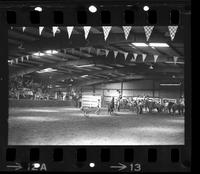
(170, 84)
(138, 44)
(38, 9)
(146, 8)
(82, 66)
(92, 9)
(84, 76)
(151, 67)
(46, 70)
(158, 45)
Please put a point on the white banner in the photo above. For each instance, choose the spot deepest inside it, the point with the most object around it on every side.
(40, 30)
(115, 54)
(107, 52)
(69, 31)
(175, 59)
(98, 51)
(127, 30)
(23, 29)
(155, 58)
(106, 31)
(27, 57)
(22, 59)
(54, 29)
(144, 57)
(65, 51)
(172, 31)
(135, 56)
(148, 30)
(86, 30)
(125, 55)
(72, 50)
(89, 49)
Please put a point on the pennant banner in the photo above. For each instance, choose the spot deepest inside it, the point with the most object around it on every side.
(107, 52)
(23, 29)
(106, 31)
(65, 51)
(16, 60)
(155, 58)
(69, 31)
(54, 29)
(172, 31)
(115, 54)
(135, 56)
(86, 30)
(98, 51)
(72, 50)
(27, 57)
(144, 57)
(175, 59)
(125, 55)
(148, 30)
(89, 49)
(22, 59)
(40, 30)
(127, 30)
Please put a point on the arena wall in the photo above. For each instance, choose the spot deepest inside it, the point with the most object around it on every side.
(40, 103)
(134, 88)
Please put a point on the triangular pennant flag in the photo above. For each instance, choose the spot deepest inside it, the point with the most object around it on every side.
(22, 59)
(11, 27)
(172, 31)
(23, 29)
(40, 30)
(148, 30)
(16, 60)
(89, 49)
(175, 59)
(135, 56)
(27, 57)
(125, 55)
(98, 51)
(144, 57)
(115, 54)
(155, 58)
(86, 30)
(72, 50)
(69, 31)
(107, 52)
(106, 31)
(127, 30)
(65, 51)
(54, 29)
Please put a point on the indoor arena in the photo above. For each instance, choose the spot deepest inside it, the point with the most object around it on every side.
(103, 85)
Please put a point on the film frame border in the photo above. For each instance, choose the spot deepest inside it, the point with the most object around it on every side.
(93, 153)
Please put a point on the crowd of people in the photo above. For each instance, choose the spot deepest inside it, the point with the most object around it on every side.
(141, 104)
(22, 88)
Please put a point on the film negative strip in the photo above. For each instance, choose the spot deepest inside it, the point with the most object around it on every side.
(95, 86)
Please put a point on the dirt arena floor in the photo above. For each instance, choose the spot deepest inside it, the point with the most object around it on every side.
(68, 126)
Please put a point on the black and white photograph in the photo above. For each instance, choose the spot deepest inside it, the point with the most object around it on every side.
(96, 85)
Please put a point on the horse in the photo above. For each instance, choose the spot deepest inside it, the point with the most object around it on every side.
(173, 107)
(151, 105)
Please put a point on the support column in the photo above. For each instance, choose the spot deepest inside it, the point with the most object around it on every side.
(153, 88)
(122, 88)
